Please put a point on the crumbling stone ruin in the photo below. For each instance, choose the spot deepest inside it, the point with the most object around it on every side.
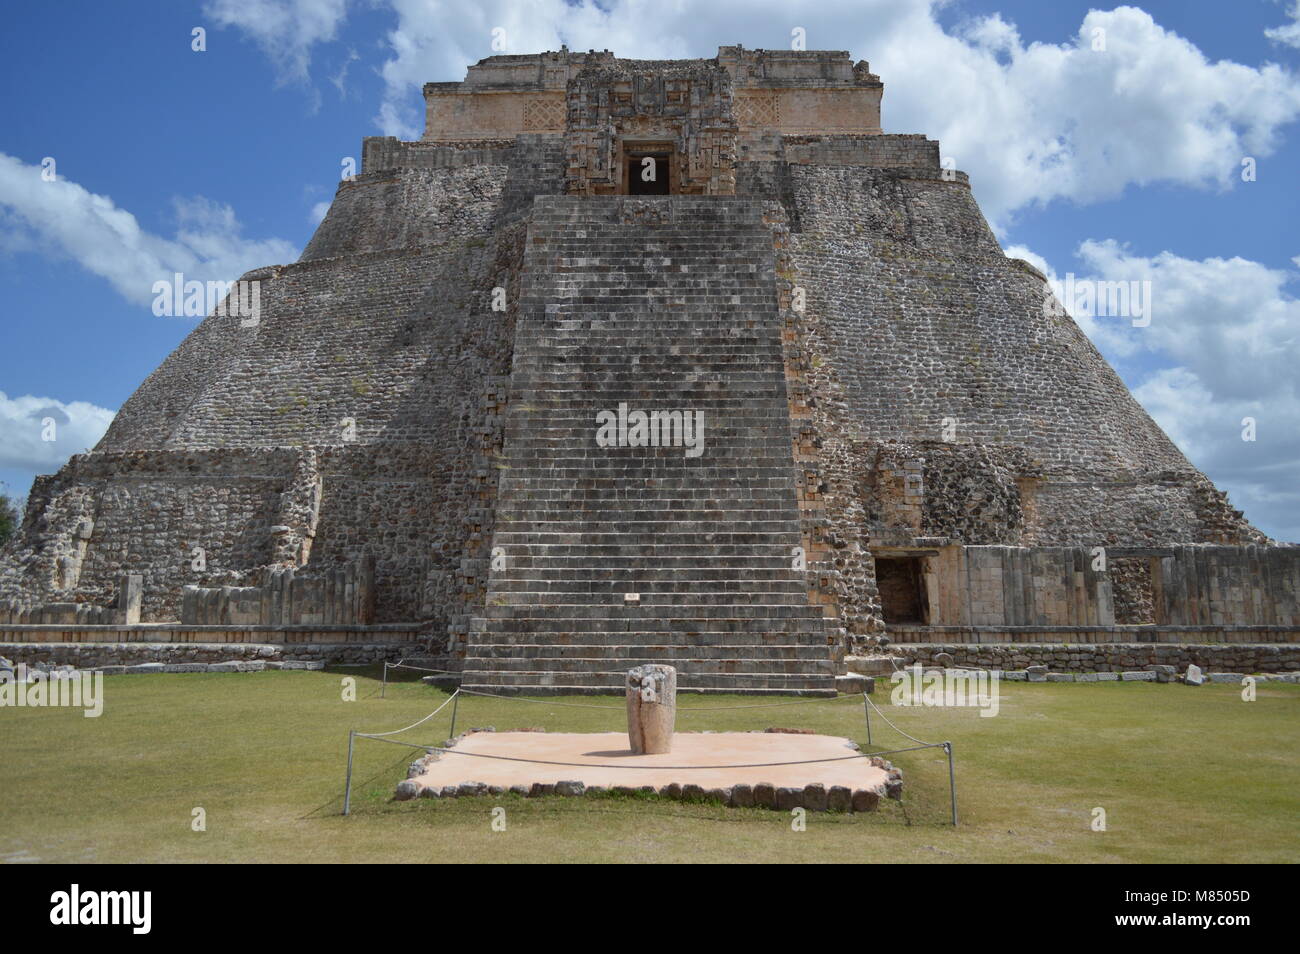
(834, 409)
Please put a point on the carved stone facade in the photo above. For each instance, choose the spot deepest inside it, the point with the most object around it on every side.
(616, 114)
(702, 108)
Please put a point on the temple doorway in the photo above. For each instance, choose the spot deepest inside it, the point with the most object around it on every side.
(649, 170)
(901, 583)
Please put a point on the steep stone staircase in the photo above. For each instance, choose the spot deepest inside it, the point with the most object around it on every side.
(662, 304)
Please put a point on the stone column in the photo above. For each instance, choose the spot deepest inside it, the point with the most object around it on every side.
(651, 708)
(130, 592)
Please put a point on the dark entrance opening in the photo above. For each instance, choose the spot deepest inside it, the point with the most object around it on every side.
(648, 178)
(901, 583)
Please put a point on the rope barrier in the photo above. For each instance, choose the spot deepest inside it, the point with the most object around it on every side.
(674, 768)
(539, 702)
(402, 664)
(910, 738)
(376, 735)
(425, 747)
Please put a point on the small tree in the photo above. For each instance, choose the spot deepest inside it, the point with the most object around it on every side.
(9, 517)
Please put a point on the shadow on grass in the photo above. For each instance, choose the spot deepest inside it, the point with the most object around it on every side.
(386, 771)
(627, 806)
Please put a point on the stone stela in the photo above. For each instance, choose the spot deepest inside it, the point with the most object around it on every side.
(651, 709)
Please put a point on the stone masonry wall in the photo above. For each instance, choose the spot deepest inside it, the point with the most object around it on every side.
(413, 207)
(879, 151)
(1226, 586)
(1114, 657)
(929, 324)
(146, 512)
(385, 362)
(98, 655)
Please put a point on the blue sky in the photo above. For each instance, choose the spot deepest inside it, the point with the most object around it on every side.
(1121, 164)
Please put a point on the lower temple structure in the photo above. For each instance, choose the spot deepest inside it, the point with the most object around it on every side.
(631, 362)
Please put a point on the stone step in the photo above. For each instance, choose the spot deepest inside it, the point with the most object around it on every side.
(627, 567)
(661, 589)
(666, 613)
(536, 681)
(658, 631)
(547, 600)
(755, 638)
(655, 579)
(619, 653)
(675, 314)
(666, 556)
(643, 510)
(599, 665)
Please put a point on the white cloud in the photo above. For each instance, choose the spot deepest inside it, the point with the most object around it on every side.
(1223, 345)
(340, 79)
(62, 217)
(1288, 34)
(1229, 321)
(285, 30)
(318, 212)
(75, 427)
(1043, 121)
(1261, 476)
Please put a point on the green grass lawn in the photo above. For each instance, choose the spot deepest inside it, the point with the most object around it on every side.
(1184, 774)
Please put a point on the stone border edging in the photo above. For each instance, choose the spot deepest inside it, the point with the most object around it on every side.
(815, 797)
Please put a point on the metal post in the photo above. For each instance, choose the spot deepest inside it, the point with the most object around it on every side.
(383, 692)
(952, 782)
(347, 787)
(866, 711)
(455, 704)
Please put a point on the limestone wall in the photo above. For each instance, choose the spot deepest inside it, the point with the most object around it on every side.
(997, 586)
(1227, 586)
(880, 151)
(934, 403)
(533, 165)
(470, 114)
(420, 207)
(151, 513)
(207, 649)
(338, 595)
(378, 357)
(927, 324)
(1016, 586)
(387, 153)
(787, 91)
(1114, 657)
